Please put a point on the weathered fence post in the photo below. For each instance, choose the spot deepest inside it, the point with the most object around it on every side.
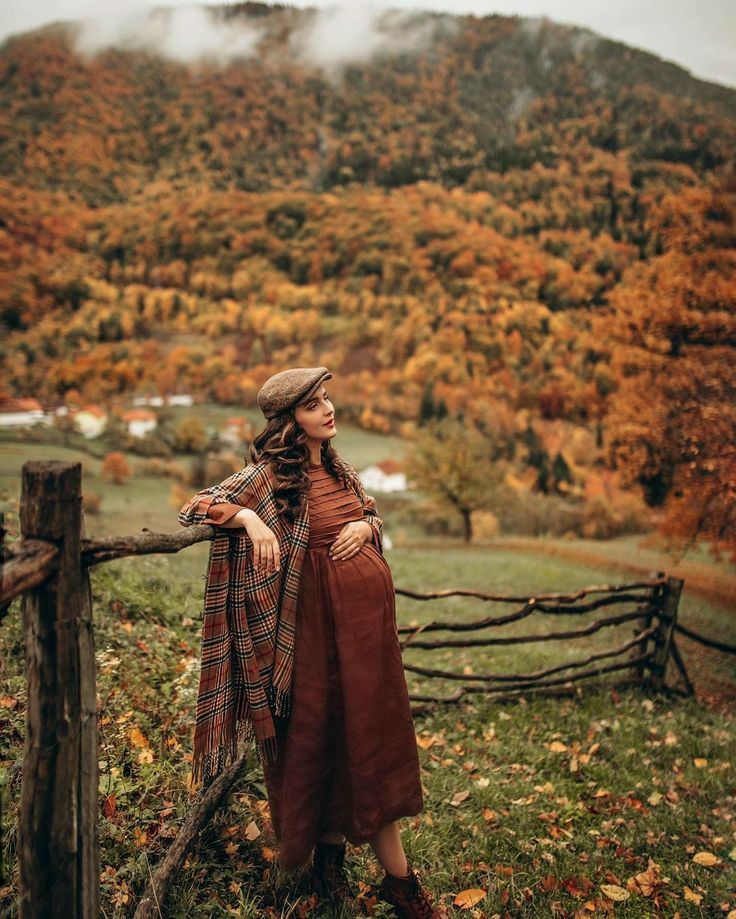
(653, 596)
(663, 636)
(57, 829)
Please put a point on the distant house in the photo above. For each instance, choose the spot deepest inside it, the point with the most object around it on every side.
(158, 401)
(234, 431)
(139, 421)
(21, 413)
(383, 477)
(90, 421)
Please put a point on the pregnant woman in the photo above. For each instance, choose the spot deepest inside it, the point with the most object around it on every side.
(300, 649)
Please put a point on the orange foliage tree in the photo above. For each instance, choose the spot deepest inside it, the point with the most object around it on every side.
(672, 331)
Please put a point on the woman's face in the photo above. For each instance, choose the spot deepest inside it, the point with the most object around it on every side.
(315, 415)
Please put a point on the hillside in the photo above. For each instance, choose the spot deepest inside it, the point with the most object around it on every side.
(519, 219)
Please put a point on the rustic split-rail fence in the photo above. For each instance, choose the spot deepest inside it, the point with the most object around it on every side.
(48, 566)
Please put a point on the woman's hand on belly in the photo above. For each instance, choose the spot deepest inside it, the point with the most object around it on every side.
(351, 539)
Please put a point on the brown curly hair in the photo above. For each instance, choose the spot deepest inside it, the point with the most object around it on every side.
(283, 444)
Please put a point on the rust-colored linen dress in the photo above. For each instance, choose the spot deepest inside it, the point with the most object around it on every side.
(347, 756)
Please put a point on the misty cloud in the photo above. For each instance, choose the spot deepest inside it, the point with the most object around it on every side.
(330, 37)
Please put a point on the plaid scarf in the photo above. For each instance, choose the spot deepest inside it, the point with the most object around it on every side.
(249, 618)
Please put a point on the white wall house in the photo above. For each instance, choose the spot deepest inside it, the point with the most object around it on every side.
(90, 421)
(139, 421)
(21, 413)
(158, 401)
(383, 477)
(234, 431)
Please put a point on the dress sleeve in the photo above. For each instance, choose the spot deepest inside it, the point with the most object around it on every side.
(218, 503)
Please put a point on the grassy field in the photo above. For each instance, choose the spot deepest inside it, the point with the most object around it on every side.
(608, 803)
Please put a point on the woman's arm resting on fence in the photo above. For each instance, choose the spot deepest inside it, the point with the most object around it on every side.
(219, 504)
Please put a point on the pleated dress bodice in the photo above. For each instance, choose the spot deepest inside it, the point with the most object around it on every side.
(331, 506)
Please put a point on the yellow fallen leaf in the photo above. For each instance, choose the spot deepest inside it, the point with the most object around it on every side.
(692, 896)
(468, 898)
(137, 737)
(654, 798)
(614, 892)
(700, 763)
(602, 793)
(574, 766)
(670, 739)
(705, 858)
(557, 746)
(488, 814)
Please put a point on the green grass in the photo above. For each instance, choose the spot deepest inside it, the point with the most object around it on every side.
(531, 833)
(538, 837)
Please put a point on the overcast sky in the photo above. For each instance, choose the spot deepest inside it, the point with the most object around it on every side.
(701, 37)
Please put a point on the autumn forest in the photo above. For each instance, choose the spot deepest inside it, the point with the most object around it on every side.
(517, 221)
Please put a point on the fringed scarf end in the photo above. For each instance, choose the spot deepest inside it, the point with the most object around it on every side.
(208, 763)
(279, 701)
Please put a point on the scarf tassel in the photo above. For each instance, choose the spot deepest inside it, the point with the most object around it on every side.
(207, 765)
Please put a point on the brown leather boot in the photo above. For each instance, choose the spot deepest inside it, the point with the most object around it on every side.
(328, 872)
(407, 896)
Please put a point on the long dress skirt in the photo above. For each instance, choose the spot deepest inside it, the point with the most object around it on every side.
(347, 756)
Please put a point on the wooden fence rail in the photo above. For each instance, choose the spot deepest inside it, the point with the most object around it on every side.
(48, 567)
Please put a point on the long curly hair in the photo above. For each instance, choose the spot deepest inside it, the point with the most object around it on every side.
(283, 444)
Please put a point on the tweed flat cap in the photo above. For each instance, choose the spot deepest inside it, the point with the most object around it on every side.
(285, 388)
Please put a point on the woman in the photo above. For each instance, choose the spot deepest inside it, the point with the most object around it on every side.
(300, 648)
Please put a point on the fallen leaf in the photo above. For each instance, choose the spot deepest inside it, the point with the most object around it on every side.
(459, 797)
(467, 898)
(109, 806)
(557, 746)
(252, 831)
(700, 763)
(614, 892)
(654, 798)
(692, 896)
(137, 738)
(646, 882)
(705, 858)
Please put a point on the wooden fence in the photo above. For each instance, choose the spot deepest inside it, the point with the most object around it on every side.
(48, 566)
